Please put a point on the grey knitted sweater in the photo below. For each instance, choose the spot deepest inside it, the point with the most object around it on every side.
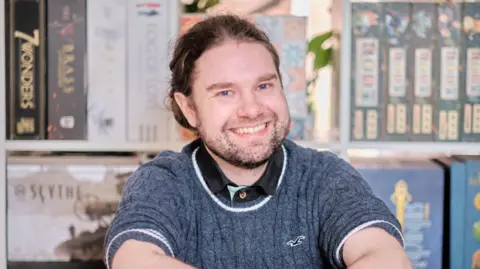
(320, 201)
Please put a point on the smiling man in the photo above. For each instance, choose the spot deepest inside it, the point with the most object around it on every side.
(242, 195)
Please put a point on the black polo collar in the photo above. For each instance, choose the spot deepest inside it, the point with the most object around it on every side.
(217, 181)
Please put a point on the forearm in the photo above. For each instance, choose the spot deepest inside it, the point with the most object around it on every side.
(140, 255)
(381, 259)
(151, 261)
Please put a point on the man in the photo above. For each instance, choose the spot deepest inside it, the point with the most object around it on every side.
(242, 195)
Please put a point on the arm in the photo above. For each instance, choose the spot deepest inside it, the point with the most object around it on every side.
(357, 230)
(146, 231)
(138, 254)
(374, 248)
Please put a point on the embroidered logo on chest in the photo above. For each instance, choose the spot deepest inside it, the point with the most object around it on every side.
(297, 241)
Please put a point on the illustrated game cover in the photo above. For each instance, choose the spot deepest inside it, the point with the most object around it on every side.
(70, 202)
(465, 212)
(367, 79)
(471, 56)
(414, 192)
(67, 100)
(420, 70)
(447, 73)
(396, 117)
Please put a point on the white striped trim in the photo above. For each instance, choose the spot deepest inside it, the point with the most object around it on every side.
(361, 227)
(235, 209)
(150, 232)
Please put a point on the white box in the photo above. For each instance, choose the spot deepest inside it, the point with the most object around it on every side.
(107, 68)
(58, 205)
(152, 27)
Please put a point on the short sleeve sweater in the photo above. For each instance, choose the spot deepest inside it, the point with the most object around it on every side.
(320, 201)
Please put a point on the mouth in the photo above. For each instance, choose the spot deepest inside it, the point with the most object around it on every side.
(258, 129)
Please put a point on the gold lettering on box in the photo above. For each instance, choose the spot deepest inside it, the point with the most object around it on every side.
(27, 68)
(26, 126)
(65, 68)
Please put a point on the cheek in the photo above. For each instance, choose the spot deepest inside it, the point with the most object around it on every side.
(279, 106)
(214, 115)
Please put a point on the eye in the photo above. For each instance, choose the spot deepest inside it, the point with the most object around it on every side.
(225, 93)
(264, 86)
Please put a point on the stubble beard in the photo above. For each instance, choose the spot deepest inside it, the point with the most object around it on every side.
(246, 158)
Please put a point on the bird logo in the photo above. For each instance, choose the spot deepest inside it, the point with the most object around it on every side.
(297, 241)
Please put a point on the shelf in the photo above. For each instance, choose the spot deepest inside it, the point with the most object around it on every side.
(412, 149)
(86, 146)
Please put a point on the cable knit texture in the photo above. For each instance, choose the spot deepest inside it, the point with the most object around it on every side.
(320, 201)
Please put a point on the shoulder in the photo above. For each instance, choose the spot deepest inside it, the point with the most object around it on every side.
(310, 160)
(166, 172)
(325, 169)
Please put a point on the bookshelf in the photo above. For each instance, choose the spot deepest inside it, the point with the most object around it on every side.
(344, 147)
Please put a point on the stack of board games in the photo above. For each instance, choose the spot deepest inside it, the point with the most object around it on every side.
(59, 208)
(464, 211)
(414, 72)
(414, 192)
(89, 70)
(288, 35)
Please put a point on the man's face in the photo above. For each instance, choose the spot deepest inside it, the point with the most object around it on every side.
(239, 107)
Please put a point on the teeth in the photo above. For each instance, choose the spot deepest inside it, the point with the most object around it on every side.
(250, 130)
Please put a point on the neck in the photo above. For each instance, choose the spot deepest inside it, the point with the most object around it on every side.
(238, 175)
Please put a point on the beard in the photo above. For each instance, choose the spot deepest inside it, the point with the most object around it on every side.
(247, 158)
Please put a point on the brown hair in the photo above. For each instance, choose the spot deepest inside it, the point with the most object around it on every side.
(200, 37)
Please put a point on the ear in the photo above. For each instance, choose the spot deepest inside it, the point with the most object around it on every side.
(187, 108)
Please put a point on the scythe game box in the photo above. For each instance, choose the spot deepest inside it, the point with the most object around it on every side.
(59, 208)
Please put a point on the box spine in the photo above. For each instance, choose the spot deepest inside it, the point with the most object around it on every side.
(27, 70)
(396, 115)
(420, 70)
(458, 189)
(367, 79)
(107, 70)
(148, 120)
(66, 60)
(471, 226)
(447, 73)
(471, 75)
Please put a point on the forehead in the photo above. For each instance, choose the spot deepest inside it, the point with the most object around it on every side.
(234, 62)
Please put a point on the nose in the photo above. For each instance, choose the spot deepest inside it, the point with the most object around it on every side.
(250, 106)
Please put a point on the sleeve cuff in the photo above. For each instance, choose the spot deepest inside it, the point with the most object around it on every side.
(386, 225)
(144, 235)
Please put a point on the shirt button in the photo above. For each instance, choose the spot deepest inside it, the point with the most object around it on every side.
(243, 195)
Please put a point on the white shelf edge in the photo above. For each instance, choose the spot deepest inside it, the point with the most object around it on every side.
(89, 146)
(412, 149)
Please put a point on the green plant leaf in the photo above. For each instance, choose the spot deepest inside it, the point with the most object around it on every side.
(322, 58)
(316, 43)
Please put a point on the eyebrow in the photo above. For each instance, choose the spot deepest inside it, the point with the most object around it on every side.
(223, 85)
